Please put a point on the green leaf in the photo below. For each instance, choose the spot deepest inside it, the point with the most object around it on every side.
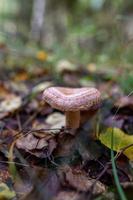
(5, 192)
(121, 140)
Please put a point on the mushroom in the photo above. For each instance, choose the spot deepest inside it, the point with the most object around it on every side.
(72, 101)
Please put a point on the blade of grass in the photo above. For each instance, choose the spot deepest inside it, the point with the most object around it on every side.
(12, 167)
(116, 178)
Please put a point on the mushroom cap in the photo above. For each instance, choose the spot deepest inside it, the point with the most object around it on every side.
(72, 99)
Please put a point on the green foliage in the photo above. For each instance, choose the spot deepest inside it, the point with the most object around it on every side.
(116, 178)
(126, 81)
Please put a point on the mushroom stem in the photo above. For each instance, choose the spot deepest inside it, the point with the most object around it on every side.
(73, 119)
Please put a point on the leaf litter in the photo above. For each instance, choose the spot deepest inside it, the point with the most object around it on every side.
(52, 164)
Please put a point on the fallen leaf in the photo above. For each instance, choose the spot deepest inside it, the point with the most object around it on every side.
(4, 175)
(46, 187)
(28, 182)
(22, 188)
(67, 195)
(5, 192)
(41, 86)
(9, 101)
(18, 87)
(10, 104)
(114, 122)
(125, 102)
(121, 140)
(28, 143)
(55, 120)
(3, 90)
(40, 147)
(65, 65)
(41, 55)
(79, 180)
(21, 75)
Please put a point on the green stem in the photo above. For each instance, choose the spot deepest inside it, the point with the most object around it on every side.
(116, 178)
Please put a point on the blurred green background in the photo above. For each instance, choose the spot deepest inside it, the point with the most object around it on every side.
(81, 31)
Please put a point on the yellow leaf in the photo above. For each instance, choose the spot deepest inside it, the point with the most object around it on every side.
(5, 192)
(121, 140)
(41, 55)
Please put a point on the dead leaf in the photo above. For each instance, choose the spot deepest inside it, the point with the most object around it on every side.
(4, 175)
(127, 185)
(125, 102)
(3, 90)
(67, 195)
(42, 55)
(79, 180)
(6, 94)
(41, 86)
(28, 143)
(40, 147)
(112, 121)
(55, 120)
(22, 188)
(10, 104)
(18, 87)
(46, 188)
(21, 75)
(63, 65)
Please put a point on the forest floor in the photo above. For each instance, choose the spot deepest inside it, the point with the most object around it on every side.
(39, 158)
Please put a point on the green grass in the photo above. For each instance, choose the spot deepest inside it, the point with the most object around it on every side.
(115, 174)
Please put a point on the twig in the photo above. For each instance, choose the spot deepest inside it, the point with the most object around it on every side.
(97, 179)
(122, 150)
(105, 169)
(16, 163)
(19, 122)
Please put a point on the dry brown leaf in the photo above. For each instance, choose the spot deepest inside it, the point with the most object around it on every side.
(4, 175)
(79, 180)
(114, 122)
(21, 75)
(28, 143)
(18, 87)
(53, 121)
(40, 147)
(10, 104)
(125, 102)
(66, 195)
(3, 91)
